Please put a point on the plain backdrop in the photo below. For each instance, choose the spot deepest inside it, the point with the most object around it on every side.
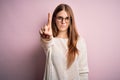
(21, 57)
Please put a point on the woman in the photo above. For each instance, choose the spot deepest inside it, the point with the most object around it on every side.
(66, 54)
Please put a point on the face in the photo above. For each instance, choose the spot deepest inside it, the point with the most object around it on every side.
(62, 21)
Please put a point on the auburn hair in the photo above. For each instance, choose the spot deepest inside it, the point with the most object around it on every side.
(71, 32)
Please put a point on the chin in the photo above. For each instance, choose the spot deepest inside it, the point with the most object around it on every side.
(62, 30)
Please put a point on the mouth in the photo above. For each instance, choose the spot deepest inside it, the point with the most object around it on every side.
(63, 26)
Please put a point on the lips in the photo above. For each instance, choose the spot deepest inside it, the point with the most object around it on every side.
(63, 26)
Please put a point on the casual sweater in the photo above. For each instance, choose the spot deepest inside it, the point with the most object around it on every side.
(56, 60)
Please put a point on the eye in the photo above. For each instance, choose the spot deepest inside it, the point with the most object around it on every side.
(67, 18)
(59, 18)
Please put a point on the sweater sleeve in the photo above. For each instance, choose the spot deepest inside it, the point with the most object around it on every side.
(46, 45)
(83, 63)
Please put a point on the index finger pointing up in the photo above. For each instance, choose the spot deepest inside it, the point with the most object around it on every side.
(49, 19)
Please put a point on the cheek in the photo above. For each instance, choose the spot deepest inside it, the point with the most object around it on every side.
(58, 24)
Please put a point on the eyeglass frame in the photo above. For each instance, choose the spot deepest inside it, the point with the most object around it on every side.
(60, 19)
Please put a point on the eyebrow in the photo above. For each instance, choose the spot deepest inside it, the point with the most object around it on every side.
(62, 16)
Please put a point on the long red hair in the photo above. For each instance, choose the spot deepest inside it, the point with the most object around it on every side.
(71, 33)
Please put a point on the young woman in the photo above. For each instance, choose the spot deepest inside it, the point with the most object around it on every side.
(66, 54)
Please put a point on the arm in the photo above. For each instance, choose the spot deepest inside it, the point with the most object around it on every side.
(45, 44)
(83, 64)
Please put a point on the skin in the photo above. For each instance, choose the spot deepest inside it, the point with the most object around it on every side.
(63, 25)
(46, 31)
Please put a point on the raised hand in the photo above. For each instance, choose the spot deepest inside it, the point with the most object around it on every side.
(46, 31)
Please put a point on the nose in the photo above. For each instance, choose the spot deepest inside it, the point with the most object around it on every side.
(63, 21)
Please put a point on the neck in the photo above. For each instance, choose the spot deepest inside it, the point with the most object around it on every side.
(62, 35)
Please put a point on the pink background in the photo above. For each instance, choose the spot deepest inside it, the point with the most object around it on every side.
(21, 58)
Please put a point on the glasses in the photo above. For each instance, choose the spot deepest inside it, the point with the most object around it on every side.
(60, 19)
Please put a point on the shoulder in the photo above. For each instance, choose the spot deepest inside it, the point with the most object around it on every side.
(81, 42)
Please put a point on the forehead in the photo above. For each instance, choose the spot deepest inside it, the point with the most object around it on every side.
(63, 13)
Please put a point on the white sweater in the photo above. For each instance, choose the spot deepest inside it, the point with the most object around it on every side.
(56, 64)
